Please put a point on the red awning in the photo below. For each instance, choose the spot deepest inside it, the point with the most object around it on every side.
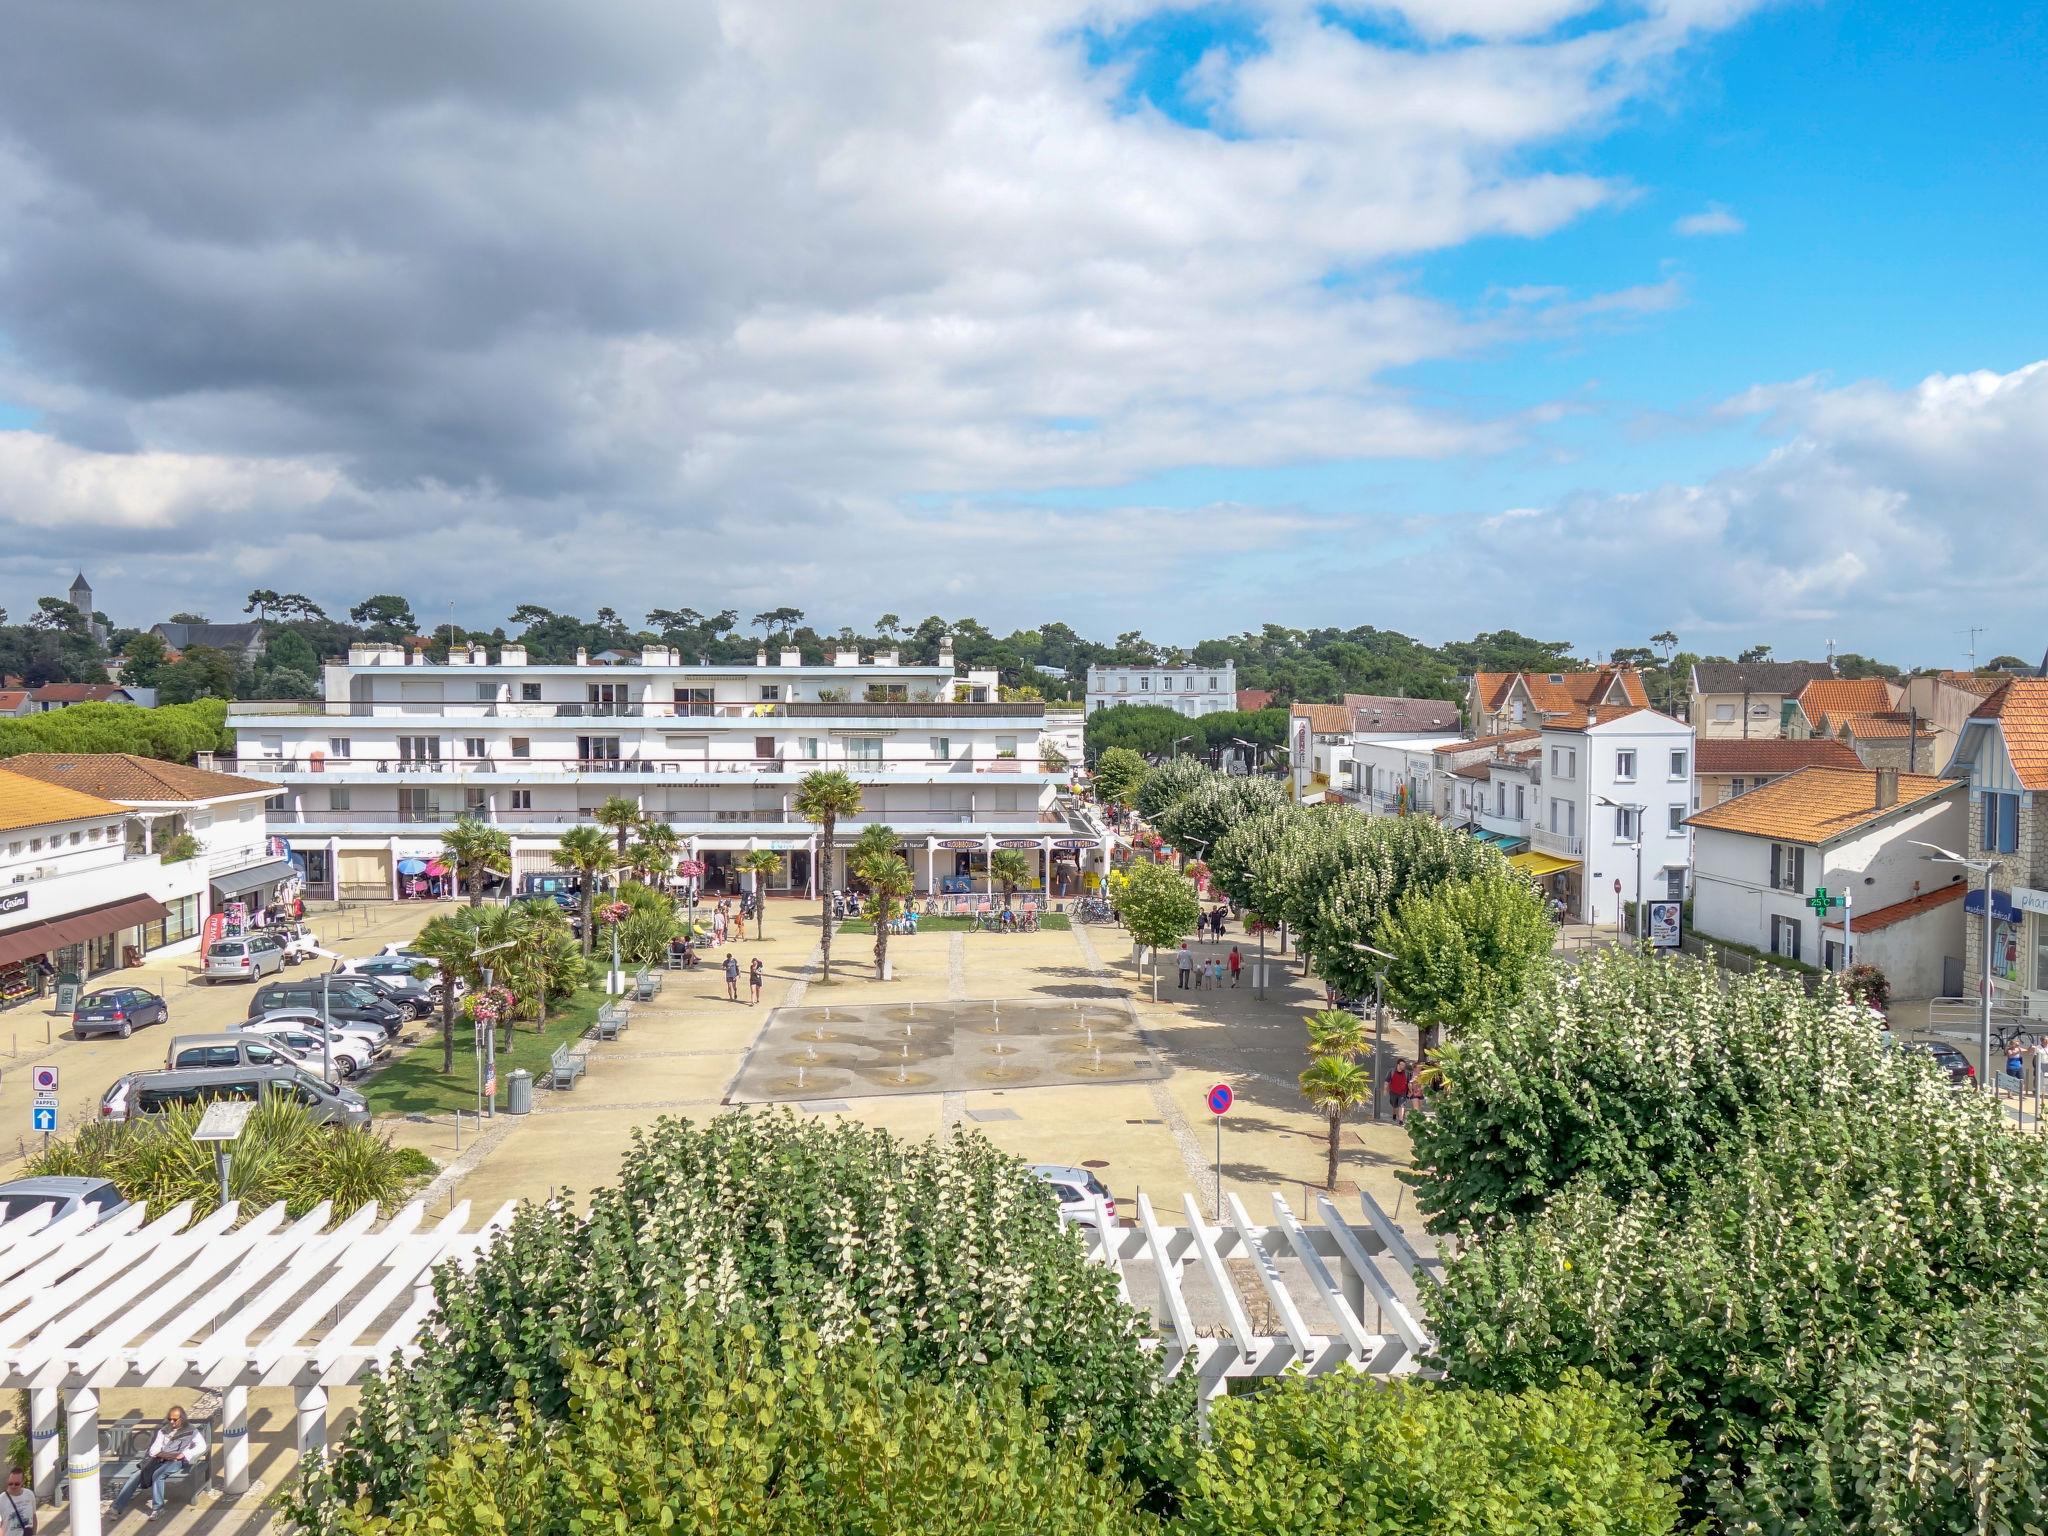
(77, 927)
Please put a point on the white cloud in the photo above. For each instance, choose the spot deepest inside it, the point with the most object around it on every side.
(1714, 219)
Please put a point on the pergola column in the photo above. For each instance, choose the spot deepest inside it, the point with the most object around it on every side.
(82, 1466)
(42, 1439)
(234, 1440)
(311, 1421)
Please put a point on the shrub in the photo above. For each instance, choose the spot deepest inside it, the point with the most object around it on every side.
(949, 1250)
(1315, 1455)
(687, 1424)
(173, 732)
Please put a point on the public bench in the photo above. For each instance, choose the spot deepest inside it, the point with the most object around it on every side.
(124, 1446)
(565, 1066)
(645, 984)
(611, 1021)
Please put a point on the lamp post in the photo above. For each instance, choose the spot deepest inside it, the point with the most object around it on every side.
(1379, 1028)
(1177, 741)
(1987, 868)
(1639, 812)
(487, 1039)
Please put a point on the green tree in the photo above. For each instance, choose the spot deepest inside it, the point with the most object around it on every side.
(290, 651)
(822, 797)
(889, 884)
(1464, 950)
(143, 660)
(451, 943)
(1159, 906)
(1118, 773)
(201, 673)
(589, 853)
(758, 864)
(262, 602)
(1009, 868)
(622, 815)
(477, 850)
(1337, 1086)
(388, 617)
(1165, 785)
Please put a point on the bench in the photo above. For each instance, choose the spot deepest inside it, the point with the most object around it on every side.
(645, 985)
(611, 1021)
(565, 1066)
(124, 1446)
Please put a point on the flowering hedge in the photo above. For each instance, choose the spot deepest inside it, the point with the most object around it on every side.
(948, 1249)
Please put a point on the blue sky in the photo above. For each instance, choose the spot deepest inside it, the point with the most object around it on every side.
(1127, 314)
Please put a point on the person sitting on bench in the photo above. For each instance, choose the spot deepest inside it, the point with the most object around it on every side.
(177, 1444)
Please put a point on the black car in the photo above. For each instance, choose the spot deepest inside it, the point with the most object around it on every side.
(1948, 1058)
(117, 1011)
(407, 993)
(344, 999)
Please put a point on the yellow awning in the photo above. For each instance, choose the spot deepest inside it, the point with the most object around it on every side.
(1540, 864)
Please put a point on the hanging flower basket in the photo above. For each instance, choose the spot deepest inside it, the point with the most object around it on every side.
(690, 869)
(614, 912)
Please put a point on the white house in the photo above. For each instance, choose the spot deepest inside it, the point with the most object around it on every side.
(2001, 756)
(369, 777)
(1186, 690)
(1611, 827)
(1759, 859)
(1319, 743)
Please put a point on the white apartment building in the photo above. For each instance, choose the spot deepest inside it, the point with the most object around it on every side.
(1609, 827)
(370, 776)
(1186, 690)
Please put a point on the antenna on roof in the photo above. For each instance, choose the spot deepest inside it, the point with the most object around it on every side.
(1831, 656)
(1973, 632)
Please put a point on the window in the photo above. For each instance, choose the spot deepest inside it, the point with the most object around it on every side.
(1788, 867)
(477, 803)
(529, 693)
(2001, 823)
(475, 746)
(522, 746)
(1674, 883)
(419, 749)
(1627, 824)
(1625, 765)
(810, 744)
(1785, 937)
(487, 693)
(1556, 815)
(77, 838)
(1145, 683)
(1521, 803)
(771, 693)
(942, 749)
(1681, 760)
(337, 746)
(1676, 813)
(693, 701)
(337, 799)
(1725, 713)
(864, 749)
(522, 799)
(764, 749)
(1731, 789)
(1214, 685)
(597, 749)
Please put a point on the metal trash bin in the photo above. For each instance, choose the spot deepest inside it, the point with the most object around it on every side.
(519, 1092)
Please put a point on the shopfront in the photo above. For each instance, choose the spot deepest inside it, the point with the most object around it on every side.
(36, 956)
(258, 887)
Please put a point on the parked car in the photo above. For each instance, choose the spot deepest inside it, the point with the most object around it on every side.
(250, 957)
(304, 1039)
(1948, 1058)
(64, 1194)
(346, 1000)
(372, 1042)
(299, 941)
(151, 1093)
(1076, 1189)
(227, 1050)
(404, 991)
(117, 1011)
(403, 963)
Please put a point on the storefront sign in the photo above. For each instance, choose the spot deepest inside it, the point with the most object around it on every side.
(1016, 842)
(962, 844)
(14, 901)
(1073, 842)
(2026, 898)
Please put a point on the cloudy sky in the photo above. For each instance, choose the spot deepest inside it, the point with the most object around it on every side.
(1588, 317)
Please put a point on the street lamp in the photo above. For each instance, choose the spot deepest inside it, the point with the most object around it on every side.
(1379, 1028)
(1177, 741)
(1986, 867)
(1638, 811)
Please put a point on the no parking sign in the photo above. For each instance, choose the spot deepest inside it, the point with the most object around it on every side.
(1220, 1100)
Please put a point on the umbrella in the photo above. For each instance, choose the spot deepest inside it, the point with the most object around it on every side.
(436, 867)
(412, 866)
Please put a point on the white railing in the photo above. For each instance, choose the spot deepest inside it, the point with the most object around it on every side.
(1563, 845)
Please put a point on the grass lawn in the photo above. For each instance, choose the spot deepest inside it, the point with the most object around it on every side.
(414, 1085)
(1050, 921)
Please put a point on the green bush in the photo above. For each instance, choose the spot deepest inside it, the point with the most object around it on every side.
(688, 1424)
(282, 1154)
(1345, 1453)
(948, 1249)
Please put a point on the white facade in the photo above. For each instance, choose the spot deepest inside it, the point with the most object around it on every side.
(397, 750)
(1615, 796)
(1399, 774)
(1754, 890)
(1186, 690)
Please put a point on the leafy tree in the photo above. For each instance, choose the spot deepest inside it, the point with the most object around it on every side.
(1118, 774)
(201, 673)
(1158, 904)
(1009, 868)
(1147, 729)
(176, 733)
(589, 853)
(889, 884)
(622, 815)
(144, 659)
(451, 943)
(654, 848)
(778, 620)
(1463, 950)
(189, 618)
(822, 797)
(1167, 783)
(262, 602)
(758, 864)
(1755, 653)
(386, 616)
(477, 850)
(53, 613)
(1199, 820)
(1362, 878)
(296, 605)
(289, 649)
(2000, 663)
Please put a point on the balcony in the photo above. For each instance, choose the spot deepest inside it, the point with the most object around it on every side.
(263, 711)
(445, 767)
(284, 821)
(1561, 845)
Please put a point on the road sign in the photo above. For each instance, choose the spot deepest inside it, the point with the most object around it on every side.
(224, 1119)
(43, 1079)
(45, 1100)
(1220, 1098)
(43, 1118)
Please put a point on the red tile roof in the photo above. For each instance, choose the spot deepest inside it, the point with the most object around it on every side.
(1900, 911)
(1478, 742)
(1323, 719)
(1570, 690)
(1816, 805)
(2020, 707)
(1250, 700)
(1734, 755)
(78, 693)
(1838, 697)
(1379, 712)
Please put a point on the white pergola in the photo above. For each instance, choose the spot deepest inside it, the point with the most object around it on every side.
(177, 1305)
(1316, 1283)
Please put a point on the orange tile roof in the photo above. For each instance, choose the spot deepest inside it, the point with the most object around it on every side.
(12, 699)
(26, 802)
(1900, 911)
(1324, 719)
(1884, 725)
(1772, 755)
(1474, 770)
(2020, 706)
(1572, 690)
(1815, 805)
(1971, 682)
(125, 776)
(79, 693)
(1477, 742)
(1837, 697)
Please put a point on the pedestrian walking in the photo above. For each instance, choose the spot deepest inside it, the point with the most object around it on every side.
(1397, 1091)
(1216, 974)
(732, 976)
(1186, 962)
(21, 1506)
(1236, 964)
(755, 978)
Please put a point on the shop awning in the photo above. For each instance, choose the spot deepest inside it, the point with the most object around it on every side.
(1504, 841)
(77, 927)
(255, 877)
(2002, 909)
(1540, 865)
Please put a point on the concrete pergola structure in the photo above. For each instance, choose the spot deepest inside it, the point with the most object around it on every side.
(177, 1305)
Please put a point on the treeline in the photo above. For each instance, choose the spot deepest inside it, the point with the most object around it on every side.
(176, 733)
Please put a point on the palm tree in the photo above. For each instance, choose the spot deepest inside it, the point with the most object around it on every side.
(476, 849)
(451, 942)
(889, 883)
(760, 863)
(1336, 1085)
(1009, 869)
(822, 797)
(659, 839)
(622, 816)
(543, 956)
(588, 852)
(1333, 1032)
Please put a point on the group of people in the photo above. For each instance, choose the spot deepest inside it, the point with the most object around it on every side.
(757, 977)
(1404, 1089)
(1209, 972)
(1210, 924)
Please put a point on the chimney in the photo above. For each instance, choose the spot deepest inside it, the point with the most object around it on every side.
(582, 656)
(844, 658)
(760, 655)
(511, 655)
(888, 658)
(792, 657)
(945, 650)
(1887, 788)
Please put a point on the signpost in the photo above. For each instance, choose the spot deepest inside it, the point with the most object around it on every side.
(1220, 1100)
(1821, 901)
(221, 1125)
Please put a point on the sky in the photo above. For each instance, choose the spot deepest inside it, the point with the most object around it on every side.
(1587, 318)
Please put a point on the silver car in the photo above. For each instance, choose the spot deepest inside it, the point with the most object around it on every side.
(251, 957)
(1076, 1189)
(62, 1195)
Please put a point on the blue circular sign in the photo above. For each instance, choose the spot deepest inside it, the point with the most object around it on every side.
(1220, 1098)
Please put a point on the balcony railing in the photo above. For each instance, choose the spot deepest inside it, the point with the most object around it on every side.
(648, 709)
(785, 763)
(442, 816)
(1563, 845)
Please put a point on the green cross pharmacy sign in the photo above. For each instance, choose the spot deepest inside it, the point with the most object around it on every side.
(1821, 901)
